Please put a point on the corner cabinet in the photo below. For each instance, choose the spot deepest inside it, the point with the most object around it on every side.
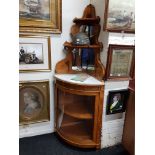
(78, 105)
(79, 110)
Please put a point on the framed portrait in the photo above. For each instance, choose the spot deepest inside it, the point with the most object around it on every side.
(120, 62)
(34, 54)
(40, 16)
(119, 16)
(34, 102)
(117, 101)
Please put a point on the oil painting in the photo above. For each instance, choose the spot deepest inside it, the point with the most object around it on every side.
(120, 16)
(116, 102)
(40, 16)
(37, 9)
(33, 102)
(34, 54)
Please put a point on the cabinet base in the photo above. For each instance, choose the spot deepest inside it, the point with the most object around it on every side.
(81, 144)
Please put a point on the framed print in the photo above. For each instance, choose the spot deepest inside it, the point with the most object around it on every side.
(34, 54)
(119, 16)
(34, 102)
(120, 62)
(40, 16)
(116, 102)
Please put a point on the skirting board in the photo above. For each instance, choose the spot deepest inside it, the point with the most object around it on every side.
(34, 133)
(34, 130)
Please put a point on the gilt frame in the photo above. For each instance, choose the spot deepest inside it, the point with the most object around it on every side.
(37, 20)
(34, 102)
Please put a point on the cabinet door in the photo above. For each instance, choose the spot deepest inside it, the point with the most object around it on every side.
(76, 117)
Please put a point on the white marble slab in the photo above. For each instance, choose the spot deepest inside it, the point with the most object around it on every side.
(89, 81)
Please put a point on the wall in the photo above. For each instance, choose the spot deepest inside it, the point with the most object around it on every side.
(70, 10)
(112, 125)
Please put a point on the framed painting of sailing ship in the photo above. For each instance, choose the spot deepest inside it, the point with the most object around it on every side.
(34, 53)
(34, 102)
(120, 16)
(40, 16)
(120, 62)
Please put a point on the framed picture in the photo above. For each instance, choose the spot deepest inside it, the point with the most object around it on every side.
(120, 62)
(116, 102)
(40, 16)
(34, 54)
(120, 16)
(34, 102)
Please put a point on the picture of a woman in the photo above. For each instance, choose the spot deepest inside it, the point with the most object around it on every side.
(32, 103)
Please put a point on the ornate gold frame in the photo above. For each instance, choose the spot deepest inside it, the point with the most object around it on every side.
(43, 87)
(49, 53)
(44, 26)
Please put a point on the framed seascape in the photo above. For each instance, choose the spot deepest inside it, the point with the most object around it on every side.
(34, 102)
(34, 54)
(117, 101)
(120, 62)
(40, 16)
(119, 16)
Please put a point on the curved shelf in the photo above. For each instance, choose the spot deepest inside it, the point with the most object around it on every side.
(79, 110)
(95, 46)
(87, 21)
(78, 135)
(91, 81)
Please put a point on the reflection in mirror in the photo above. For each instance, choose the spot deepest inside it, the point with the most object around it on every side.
(83, 59)
(89, 31)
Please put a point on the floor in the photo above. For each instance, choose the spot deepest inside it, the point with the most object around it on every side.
(51, 144)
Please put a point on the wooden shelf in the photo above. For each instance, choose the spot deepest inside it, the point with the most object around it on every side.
(77, 134)
(91, 81)
(79, 110)
(69, 121)
(80, 107)
(95, 46)
(87, 21)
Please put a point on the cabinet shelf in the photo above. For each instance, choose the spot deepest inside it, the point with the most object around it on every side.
(72, 134)
(79, 110)
(68, 121)
(77, 106)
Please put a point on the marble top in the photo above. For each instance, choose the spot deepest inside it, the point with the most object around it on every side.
(91, 81)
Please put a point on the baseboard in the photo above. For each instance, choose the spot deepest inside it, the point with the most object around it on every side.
(30, 133)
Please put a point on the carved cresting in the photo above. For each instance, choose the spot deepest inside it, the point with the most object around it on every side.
(89, 12)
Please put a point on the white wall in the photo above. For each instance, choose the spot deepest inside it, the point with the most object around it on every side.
(112, 125)
(70, 10)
